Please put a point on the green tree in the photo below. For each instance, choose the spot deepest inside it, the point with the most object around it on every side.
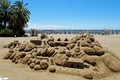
(5, 7)
(20, 17)
(1, 15)
(14, 17)
(22, 13)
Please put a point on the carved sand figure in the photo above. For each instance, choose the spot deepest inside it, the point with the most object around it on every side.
(82, 53)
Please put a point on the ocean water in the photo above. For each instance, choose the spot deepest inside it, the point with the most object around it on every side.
(76, 31)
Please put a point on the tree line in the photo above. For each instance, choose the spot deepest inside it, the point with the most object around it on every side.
(13, 18)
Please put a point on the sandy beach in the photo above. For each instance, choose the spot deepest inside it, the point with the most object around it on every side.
(22, 72)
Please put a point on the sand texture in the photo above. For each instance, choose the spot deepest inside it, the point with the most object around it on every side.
(23, 72)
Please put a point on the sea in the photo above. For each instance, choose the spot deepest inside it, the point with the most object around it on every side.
(74, 31)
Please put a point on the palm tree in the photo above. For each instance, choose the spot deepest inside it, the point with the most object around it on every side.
(14, 17)
(1, 19)
(22, 13)
(4, 11)
(19, 16)
(1, 14)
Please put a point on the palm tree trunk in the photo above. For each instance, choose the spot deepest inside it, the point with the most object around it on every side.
(5, 20)
(5, 23)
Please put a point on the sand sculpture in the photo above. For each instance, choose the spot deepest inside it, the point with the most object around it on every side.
(82, 53)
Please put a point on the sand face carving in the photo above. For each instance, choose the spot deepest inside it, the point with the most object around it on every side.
(82, 53)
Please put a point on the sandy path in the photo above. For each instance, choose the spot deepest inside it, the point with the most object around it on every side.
(22, 72)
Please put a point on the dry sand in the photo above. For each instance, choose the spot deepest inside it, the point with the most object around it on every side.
(22, 72)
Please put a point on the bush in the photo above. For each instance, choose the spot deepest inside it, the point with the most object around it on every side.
(19, 33)
(6, 32)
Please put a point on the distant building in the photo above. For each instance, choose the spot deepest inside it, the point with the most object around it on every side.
(33, 32)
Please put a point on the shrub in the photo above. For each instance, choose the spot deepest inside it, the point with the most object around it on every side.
(6, 32)
(19, 33)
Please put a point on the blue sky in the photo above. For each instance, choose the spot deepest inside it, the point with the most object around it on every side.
(74, 14)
